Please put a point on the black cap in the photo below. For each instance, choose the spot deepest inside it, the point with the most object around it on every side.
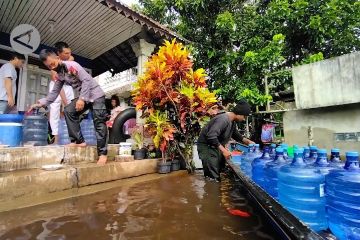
(242, 108)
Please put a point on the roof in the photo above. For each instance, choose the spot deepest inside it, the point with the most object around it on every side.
(99, 30)
(143, 20)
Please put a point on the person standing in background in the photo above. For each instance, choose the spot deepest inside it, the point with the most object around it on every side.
(115, 111)
(66, 93)
(8, 76)
(63, 51)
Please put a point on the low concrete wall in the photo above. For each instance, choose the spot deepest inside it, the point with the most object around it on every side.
(326, 122)
(36, 182)
(93, 174)
(331, 82)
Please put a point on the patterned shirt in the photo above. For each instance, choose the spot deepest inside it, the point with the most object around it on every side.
(72, 74)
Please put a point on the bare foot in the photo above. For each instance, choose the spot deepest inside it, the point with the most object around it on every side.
(102, 160)
(77, 144)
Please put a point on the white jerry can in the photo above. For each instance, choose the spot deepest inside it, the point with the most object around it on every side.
(196, 159)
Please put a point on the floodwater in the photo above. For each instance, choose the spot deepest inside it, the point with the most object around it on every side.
(175, 207)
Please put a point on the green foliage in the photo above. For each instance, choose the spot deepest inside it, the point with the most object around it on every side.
(255, 97)
(239, 43)
(138, 138)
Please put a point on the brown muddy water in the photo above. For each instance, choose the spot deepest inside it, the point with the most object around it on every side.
(175, 207)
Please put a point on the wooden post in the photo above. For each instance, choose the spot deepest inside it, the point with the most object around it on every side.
(267, 93)
(247, 128)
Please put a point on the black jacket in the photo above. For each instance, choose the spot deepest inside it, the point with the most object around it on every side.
(219, 130)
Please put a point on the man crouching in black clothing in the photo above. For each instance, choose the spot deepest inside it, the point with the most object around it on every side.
(216, 134)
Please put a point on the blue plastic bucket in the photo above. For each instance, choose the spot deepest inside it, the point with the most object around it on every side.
(11, 134)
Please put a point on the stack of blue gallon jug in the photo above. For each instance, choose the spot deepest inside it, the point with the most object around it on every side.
(87, 130)
(323, 193)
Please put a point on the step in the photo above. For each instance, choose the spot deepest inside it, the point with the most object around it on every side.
(90, 174)
(21, 158)
(20, 184)
(35, 182)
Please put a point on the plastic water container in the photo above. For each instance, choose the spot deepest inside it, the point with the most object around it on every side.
(236, 157)
(125, 149)
(273, 150)
(271, 172)
(35, 129)
(306, 152)
(246, 160)
(63, 132)
(335, 160)
(313, 155)
(88, 131)
(301, 191)
(322, 164)
(285, 147)
(343, 199)
(258, 166)
(291, 150)
(11, 129)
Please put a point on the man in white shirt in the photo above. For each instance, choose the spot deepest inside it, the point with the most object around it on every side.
(8, 77)
(66, 94)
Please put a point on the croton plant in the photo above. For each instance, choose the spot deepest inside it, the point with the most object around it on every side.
(174, 99)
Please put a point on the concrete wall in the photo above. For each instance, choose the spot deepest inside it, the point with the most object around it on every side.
(330, 82)
(325, 122)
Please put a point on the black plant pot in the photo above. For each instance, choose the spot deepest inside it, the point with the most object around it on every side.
(175, 165)
(164, 167)
(139, 154)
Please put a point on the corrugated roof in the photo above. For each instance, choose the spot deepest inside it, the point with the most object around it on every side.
(143, 20)
(100, 30)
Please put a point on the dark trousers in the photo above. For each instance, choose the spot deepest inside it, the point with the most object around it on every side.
(98, 110)
(212, 159)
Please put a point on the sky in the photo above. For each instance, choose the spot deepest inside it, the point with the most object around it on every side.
(129, 2)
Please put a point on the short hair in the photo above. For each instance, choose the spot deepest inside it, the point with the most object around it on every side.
(116, 98)
(60, 46)
(45, 53)
(17, 55)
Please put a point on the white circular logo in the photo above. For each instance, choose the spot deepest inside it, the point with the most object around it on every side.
(25, 39)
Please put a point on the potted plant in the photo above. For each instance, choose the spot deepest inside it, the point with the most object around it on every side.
(170, 87)
(139, 151)
(153, 152)
(158, 126)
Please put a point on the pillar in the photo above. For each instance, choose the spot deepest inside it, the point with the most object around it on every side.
(142, 50)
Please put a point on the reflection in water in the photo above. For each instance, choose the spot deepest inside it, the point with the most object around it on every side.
(175, 207)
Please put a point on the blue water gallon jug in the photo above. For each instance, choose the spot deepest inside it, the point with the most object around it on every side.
(335, 160)
(301, 191)
(273, 150)
(271, 172)
(35, 129)
(63, 132)
(343, 199)
(322, 164)
(258, 166)
(313, 155)
(11, 129)
(306, 152)
(88, 131)
(285, 147)
(247, 159)
(257, 151)
(236, 158)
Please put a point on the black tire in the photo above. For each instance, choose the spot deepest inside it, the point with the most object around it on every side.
(116, 134)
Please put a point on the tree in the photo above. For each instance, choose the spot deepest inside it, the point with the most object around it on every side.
(239, 43)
